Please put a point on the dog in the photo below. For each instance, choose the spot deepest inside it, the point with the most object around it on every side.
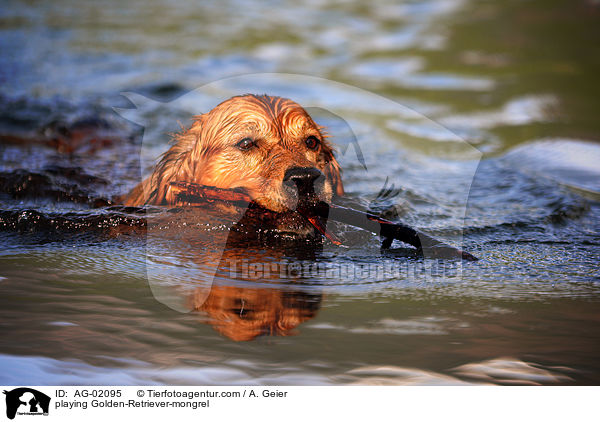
(244, 313)
(267, 146)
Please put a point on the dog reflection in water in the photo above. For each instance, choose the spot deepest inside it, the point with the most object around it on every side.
(243, 305)
(242, 313)
(195, 268)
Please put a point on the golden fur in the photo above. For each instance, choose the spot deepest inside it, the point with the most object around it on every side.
(207, 153)
(243, 314)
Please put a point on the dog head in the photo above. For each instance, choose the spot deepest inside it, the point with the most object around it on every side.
(243, 314)
(269, 146)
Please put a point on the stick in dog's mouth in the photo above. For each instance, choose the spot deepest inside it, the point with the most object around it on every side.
(317, 213)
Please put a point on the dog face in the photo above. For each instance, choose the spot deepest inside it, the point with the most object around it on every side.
(243, 314)
(269, 146)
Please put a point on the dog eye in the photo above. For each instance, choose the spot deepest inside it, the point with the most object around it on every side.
(312, 142)
(245, 144)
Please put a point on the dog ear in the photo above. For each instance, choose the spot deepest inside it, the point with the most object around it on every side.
(178, 163)
(175, 165)
(332, 170)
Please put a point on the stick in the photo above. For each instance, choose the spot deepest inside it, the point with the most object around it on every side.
(389, 231)
(193, 193)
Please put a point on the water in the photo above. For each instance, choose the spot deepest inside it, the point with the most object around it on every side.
(515, 80)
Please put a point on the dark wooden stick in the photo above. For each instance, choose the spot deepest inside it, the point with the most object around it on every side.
(318, 224)
(192, 193)
(389, 231)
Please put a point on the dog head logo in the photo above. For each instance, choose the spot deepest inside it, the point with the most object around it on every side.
(279, 152)
(26, 401)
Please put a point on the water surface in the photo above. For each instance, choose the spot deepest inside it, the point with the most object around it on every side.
(496, 150)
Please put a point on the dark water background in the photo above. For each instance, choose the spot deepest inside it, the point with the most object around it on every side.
(513, 169)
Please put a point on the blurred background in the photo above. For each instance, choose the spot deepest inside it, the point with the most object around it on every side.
(515, 79)
(526, 69)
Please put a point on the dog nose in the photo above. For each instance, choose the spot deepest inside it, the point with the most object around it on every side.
(303, 177)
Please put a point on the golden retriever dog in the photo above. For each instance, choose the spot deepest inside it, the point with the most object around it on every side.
(268, 146)
(244, 313)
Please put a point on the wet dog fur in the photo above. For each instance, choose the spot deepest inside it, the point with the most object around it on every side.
(268, 146)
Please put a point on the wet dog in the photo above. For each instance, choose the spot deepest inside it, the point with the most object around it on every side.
(267, 146)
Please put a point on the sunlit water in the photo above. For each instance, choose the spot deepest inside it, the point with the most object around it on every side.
(494, 146)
